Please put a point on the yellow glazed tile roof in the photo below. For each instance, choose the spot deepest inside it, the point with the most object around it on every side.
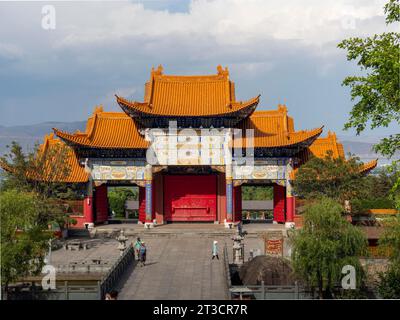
(274, 128)
(174, 95)
(321, 147)
(369, 166)
(117, 130)
(76, 173)
(107, 130)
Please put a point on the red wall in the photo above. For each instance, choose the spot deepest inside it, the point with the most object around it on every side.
(279, 203)
(83, 215)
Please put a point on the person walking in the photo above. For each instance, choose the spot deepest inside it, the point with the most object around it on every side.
(240, 228)
(215, 250)
(142, 254)
(137, 246)
(112, 295)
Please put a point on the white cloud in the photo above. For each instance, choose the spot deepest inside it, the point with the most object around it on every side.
(10, 51)
(281, 49)
(227, 22)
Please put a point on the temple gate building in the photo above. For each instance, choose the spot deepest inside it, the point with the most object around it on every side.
(190, 146)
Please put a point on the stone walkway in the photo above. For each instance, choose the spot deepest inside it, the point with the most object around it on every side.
(176, 269)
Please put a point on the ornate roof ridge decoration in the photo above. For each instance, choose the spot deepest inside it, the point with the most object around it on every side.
(222, 74)
(269, 113)
(48, 139)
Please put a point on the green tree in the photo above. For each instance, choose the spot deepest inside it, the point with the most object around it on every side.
(257, 193)
(23, 241)
(117, 198)
(376, 92)
(325, 244)
(377, 191)
(41, 171)
(29, 204)
(389, 286)
(335, 178)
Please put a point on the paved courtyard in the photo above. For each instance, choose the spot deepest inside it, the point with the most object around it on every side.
(100, 255)
(180, 268)
(179, 264)
(176, 268)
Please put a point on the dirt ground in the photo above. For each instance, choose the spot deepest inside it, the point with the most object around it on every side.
(271, 270)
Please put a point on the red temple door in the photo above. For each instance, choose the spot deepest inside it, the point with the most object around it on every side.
(190, 198)
(279, 203)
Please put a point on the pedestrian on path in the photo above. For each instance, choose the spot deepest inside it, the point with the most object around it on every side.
(240, 228)
(112, 295)
(142, 254)
(137, 246)
(215, 250)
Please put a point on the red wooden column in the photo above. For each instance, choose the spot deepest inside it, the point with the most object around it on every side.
(101, 199)
(279, 203)
(158, 198)
(142, 204)
(149, 196)
(88, 206)
(290, 205)
(237, 196)
(229, 196)
(221, 198)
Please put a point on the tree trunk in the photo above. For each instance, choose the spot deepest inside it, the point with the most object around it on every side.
(321, 293)
(320, 289)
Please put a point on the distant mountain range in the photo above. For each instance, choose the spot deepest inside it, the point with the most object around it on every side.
(28, 135)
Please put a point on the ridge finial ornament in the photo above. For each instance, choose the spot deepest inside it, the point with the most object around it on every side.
(282, 107)
(158, 71)
(98, 109)
(221, 71)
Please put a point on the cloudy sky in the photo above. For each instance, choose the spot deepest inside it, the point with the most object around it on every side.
(284, 50)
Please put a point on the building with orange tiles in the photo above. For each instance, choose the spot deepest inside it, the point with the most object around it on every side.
(190, 145)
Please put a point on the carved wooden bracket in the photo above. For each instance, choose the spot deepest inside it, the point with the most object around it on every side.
(98, 183)
(237, 183)
(159, 168)
(219, 168)
(140, 183)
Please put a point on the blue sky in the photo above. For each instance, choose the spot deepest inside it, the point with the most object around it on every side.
(285, 51)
